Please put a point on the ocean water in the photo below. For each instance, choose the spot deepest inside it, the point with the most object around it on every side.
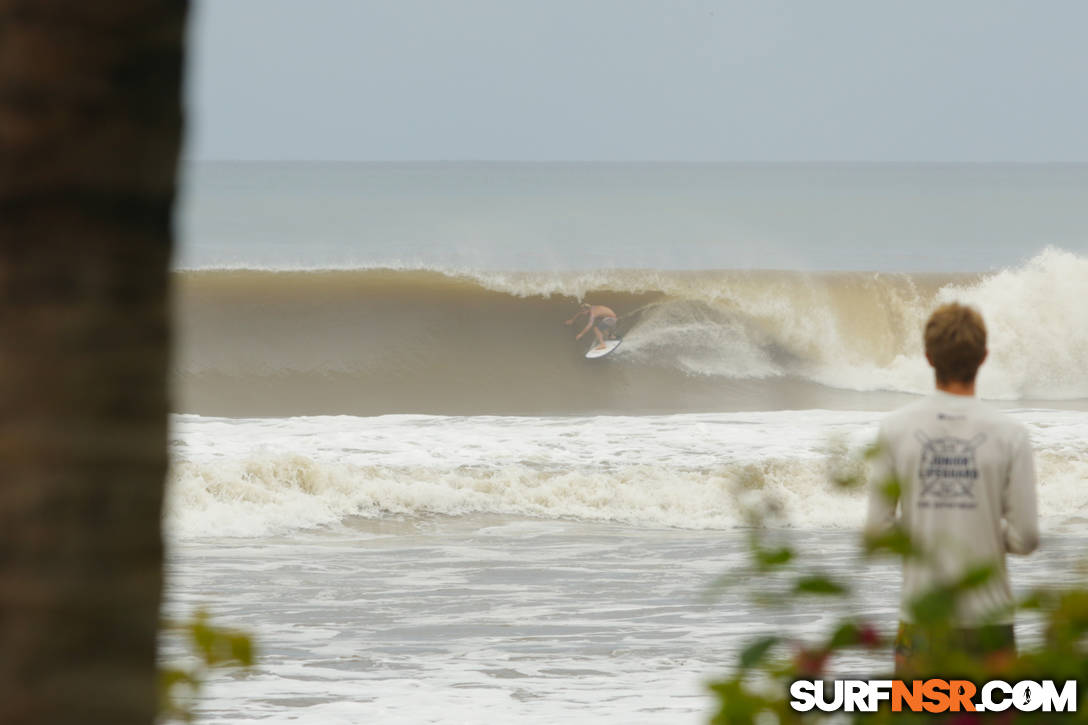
(392, 465)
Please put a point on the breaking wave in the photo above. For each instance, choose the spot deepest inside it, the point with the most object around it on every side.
(370, 341)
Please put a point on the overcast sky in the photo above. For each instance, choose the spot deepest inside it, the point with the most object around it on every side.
(690, 80)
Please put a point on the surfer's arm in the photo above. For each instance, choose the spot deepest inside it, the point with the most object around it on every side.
(1021, 520)
(588, 327)
(576, 316)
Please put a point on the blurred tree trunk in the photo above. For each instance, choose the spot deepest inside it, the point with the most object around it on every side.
(90, 123)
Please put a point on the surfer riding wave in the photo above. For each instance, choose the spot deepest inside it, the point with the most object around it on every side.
(602, 320)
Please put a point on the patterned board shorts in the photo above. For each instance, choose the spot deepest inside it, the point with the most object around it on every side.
(606, 324)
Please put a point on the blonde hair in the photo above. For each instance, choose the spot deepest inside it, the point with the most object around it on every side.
(955, 342)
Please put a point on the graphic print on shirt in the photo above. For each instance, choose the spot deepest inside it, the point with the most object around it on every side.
(948, 471)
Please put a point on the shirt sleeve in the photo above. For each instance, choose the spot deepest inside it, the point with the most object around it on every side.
(882, 501)
(1021, 520)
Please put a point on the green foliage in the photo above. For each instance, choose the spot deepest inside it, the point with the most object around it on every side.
(738, 705)
(819, 584)
(896, 541)
(767, 559)
(210, 647)
(756, 652)
(757, 690)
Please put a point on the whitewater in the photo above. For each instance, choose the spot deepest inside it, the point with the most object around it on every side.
(264, 477)
(391, 464)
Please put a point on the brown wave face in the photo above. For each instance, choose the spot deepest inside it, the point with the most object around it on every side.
(369, 342)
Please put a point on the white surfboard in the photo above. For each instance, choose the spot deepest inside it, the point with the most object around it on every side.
(609, 346)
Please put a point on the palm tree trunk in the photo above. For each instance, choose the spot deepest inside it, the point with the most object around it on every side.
(90, 124)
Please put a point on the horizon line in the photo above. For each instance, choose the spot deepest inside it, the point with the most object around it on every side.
(737, 162)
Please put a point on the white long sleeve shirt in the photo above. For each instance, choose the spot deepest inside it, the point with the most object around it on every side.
(967, 496)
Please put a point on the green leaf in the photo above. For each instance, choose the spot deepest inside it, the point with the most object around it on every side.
(897, 541)
(204, 639)
(976, 577)
(845, 635)
(1037, 599)
(891, 489)
(770, 558)
(934, 607)
(241, 649)
(819, 584)
(738, 706)
(170, 677)
(757, 651)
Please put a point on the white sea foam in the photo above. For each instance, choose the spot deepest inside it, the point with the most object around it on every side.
(261, 477)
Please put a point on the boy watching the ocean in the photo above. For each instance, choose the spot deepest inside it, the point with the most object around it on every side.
(965, 494)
